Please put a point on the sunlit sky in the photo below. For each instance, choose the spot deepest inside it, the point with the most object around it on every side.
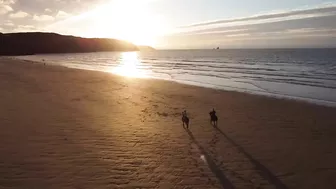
(175, 24)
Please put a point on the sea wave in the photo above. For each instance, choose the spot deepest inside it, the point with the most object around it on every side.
(297, 73)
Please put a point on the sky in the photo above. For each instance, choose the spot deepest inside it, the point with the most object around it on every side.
(181, 24)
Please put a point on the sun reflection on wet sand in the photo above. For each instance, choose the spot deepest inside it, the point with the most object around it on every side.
(129, 66)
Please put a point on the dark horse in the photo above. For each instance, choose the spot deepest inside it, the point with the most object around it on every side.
(213, 118)
(185, 119)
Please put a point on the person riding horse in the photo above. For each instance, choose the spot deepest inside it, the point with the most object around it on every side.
(185, 119)
(213, 117)
(213, 112)
(184, 113)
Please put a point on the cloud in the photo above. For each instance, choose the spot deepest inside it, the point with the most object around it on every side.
(8, 1)
(238, 35)
(43, 18)
(25, 28)
(329, 9)
(8, 23)
(5, 9)
(19, 14)
(296, 25)
(62, 14)
(214, 32)
(310, 27)
(47, 10)
(310, 30)
(319, 17)
(315, 25)
(5, 6)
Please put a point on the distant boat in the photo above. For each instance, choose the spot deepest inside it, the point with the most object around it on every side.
(217, 48)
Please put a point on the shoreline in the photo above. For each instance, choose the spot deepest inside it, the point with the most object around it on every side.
(314, 101)
(87, 129)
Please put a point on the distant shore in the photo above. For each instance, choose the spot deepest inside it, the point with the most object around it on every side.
(76, 128)
(31, 43)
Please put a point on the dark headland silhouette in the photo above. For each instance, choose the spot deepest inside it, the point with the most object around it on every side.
(145, 48)
(49, 43)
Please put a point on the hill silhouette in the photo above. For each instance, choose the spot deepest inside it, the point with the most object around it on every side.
(146, 48)
(48, 43)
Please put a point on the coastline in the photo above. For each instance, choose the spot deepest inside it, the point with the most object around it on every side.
(263, 92)
(103, 130)
(314, 101)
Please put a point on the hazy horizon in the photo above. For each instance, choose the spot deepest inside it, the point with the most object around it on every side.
(189, 24)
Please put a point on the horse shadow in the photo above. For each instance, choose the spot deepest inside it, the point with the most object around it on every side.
(211, 164)
(262, 170)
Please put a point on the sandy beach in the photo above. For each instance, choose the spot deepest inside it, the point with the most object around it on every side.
(69, 128)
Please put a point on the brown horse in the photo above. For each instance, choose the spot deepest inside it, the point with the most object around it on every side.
(213, 118)
(185, 120)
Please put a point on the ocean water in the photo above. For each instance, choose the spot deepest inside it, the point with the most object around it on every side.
(302, 74)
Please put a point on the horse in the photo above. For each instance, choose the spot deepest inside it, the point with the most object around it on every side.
(213, 119)
(185, 121)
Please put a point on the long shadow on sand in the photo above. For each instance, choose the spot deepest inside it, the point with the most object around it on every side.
(262, 170)
(213, 167)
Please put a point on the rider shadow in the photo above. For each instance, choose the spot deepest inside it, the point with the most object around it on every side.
(262, 170)
(211, 164)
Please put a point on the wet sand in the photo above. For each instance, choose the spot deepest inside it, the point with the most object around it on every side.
(68, 128)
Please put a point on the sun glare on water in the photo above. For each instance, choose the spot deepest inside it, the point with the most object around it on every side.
(129, 20)
(129, 66)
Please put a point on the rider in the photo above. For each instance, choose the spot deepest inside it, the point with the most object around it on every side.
(184, 113)
(213, 112)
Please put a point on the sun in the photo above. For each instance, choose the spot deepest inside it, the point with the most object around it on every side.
(129, 66)
(129, 20)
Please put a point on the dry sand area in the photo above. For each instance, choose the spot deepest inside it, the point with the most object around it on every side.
(68, 128)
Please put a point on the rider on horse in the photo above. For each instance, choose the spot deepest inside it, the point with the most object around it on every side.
(213, 117)
(185, 119)
(184, 113)
(213, 112)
